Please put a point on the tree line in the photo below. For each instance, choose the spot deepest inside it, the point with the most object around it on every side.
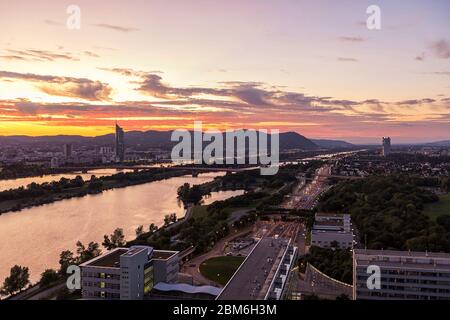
(388, 213)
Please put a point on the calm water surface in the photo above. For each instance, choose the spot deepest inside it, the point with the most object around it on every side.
(36, 236)
(16, 183)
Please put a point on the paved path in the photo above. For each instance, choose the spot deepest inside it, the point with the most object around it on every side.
(35, 293)
(48, 292)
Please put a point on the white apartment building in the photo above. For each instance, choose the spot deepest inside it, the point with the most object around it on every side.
(331, 229)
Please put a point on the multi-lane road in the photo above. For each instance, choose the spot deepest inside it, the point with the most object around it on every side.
(305, 194)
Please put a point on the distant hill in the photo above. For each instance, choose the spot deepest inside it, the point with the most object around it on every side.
(293, 140)
(59, 139)
(143, 139)
(332, 144)
(443, 143)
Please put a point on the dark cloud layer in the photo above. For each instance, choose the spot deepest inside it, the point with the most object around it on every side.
(347, 59)
(64, 86)
(351, 39)
(42, 55)
(231, 104)
(115, 27)
(441, 48)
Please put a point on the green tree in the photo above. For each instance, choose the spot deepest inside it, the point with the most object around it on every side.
(139, 231)
(183, 191)
(18, 279)
(48, 277)
(115, 240)
(85, 254)
(66, 258)
(95, 185)
(152, 228)
(190, 195)
(388, 212)
(167, 220)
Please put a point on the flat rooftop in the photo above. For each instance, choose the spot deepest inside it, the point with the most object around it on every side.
(395, 253)
(404, 260)
(330, 231)
(337, 223)
(163, 254)
(331, 215)
(252, 280)
(109, 260)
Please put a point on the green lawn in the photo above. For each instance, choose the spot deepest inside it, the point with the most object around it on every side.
(439, 208)
(220, 269)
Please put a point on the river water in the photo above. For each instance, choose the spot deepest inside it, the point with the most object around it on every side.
(23, 182)
(36, 236)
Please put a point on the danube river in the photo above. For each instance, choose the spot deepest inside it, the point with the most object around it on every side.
(36, 236)
(23, 182)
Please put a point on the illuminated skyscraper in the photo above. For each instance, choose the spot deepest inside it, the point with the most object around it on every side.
(120, 143)
(386, 146)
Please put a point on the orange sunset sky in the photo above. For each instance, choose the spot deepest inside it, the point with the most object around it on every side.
(307, 66)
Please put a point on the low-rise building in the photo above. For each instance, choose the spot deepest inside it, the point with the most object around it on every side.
(183, 291)
(404, 275)
(127, 273)
(332, 230)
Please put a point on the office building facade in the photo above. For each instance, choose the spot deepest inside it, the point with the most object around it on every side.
(404, 275)
(386, 142)
(120, 144)
(332, 230)
(127, 273)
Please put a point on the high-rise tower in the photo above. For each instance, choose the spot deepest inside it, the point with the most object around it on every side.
(120, 143)
(67, 150)
(386, 146)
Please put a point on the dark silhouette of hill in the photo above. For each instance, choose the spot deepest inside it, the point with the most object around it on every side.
(151, 139)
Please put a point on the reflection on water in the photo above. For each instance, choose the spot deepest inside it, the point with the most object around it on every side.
(16, 183)
(36, 236)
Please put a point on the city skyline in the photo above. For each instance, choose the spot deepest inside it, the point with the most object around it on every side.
(159, 66)
(229, 158)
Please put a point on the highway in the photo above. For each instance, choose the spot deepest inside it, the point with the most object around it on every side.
(253, 278)
(305, 194)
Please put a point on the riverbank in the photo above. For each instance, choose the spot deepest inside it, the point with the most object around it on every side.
(36, 236)
(45, 193)
(28, 171)
(210, 223)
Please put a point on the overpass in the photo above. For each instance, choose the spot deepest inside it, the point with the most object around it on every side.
(302, 175)
(193, 169)
(137, 168)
